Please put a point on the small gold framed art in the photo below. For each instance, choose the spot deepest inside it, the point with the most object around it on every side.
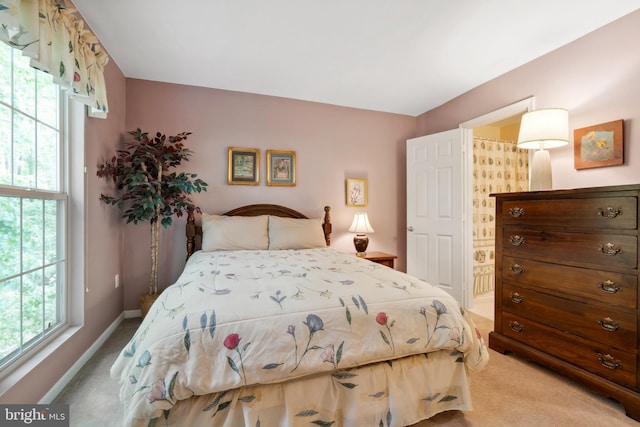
(356, 191)
(244, 166)
(281, 168)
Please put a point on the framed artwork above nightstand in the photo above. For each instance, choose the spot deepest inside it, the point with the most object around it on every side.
(381, 258)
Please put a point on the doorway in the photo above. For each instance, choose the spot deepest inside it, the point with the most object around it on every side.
(494, 132)
(498, 166)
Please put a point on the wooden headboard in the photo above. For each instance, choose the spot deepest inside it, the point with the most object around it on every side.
(194, 231)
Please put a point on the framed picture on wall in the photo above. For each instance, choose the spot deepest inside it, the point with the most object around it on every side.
(281, 168)
(599, 145)
(356, 190)
(244, 166)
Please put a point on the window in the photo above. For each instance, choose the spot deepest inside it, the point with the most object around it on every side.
(33, 205)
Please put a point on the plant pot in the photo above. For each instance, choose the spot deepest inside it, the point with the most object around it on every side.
(146, 301)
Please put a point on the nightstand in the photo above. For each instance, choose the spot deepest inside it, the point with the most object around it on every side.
(381, 258)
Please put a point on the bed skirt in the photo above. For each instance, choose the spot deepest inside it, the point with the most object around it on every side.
(395, 393)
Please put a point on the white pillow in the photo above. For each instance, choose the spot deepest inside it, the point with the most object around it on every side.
(221, 232)
(295, 233)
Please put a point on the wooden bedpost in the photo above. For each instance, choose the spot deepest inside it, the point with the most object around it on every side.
(326, 225)
(191, 233)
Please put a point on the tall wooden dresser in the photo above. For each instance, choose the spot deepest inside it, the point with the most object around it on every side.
(567, 285)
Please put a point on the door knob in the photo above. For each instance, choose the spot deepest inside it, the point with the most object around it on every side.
(410, 228)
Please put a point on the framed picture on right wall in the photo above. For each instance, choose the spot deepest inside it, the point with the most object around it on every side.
(599, 145)
(356, 190)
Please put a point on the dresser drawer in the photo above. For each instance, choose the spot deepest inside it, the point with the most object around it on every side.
(600, 249)
(603, 286)
(595, 322)
(599, 213)
(615, 365)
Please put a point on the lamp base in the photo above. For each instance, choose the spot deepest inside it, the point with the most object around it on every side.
(540, 178)
(361, 241)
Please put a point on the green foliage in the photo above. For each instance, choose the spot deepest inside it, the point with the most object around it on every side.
(25, 300)
(146, 189)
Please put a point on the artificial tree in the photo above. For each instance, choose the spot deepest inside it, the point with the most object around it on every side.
(146, 188)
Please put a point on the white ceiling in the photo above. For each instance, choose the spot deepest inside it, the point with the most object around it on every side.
(400, 56)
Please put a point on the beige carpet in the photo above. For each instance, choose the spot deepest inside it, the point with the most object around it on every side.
(510, 392)
(513, 392)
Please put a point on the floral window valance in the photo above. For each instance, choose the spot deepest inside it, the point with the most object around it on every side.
(53, 36)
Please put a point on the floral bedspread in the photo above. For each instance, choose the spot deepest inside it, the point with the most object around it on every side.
(238, 318)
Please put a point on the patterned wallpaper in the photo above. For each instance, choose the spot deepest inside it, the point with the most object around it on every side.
(498, 167)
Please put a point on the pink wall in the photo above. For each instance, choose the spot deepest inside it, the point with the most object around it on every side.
(597, 78)
(331, 143)
(103, 303)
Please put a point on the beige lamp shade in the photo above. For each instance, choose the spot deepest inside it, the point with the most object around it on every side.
(545, 128)
(360, 223)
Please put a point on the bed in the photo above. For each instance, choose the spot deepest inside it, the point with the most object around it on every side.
(270, 326)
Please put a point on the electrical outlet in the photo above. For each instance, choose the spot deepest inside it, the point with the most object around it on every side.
(117, 280)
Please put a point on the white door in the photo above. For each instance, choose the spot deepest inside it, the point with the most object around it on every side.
(435, 220)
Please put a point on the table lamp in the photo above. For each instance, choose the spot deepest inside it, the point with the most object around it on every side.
(360, 225)
(541, 130)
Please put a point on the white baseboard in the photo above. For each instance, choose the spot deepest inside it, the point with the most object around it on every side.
(128, 314)
(75, 368)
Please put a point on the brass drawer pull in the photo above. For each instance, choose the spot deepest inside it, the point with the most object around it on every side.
(609, 212)
(516, 240)
(610, 249)
(516, 298)
(608, 361)
(609, 287)
(608, 324)
(515, 326)
(516, 212)
(516, 269)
